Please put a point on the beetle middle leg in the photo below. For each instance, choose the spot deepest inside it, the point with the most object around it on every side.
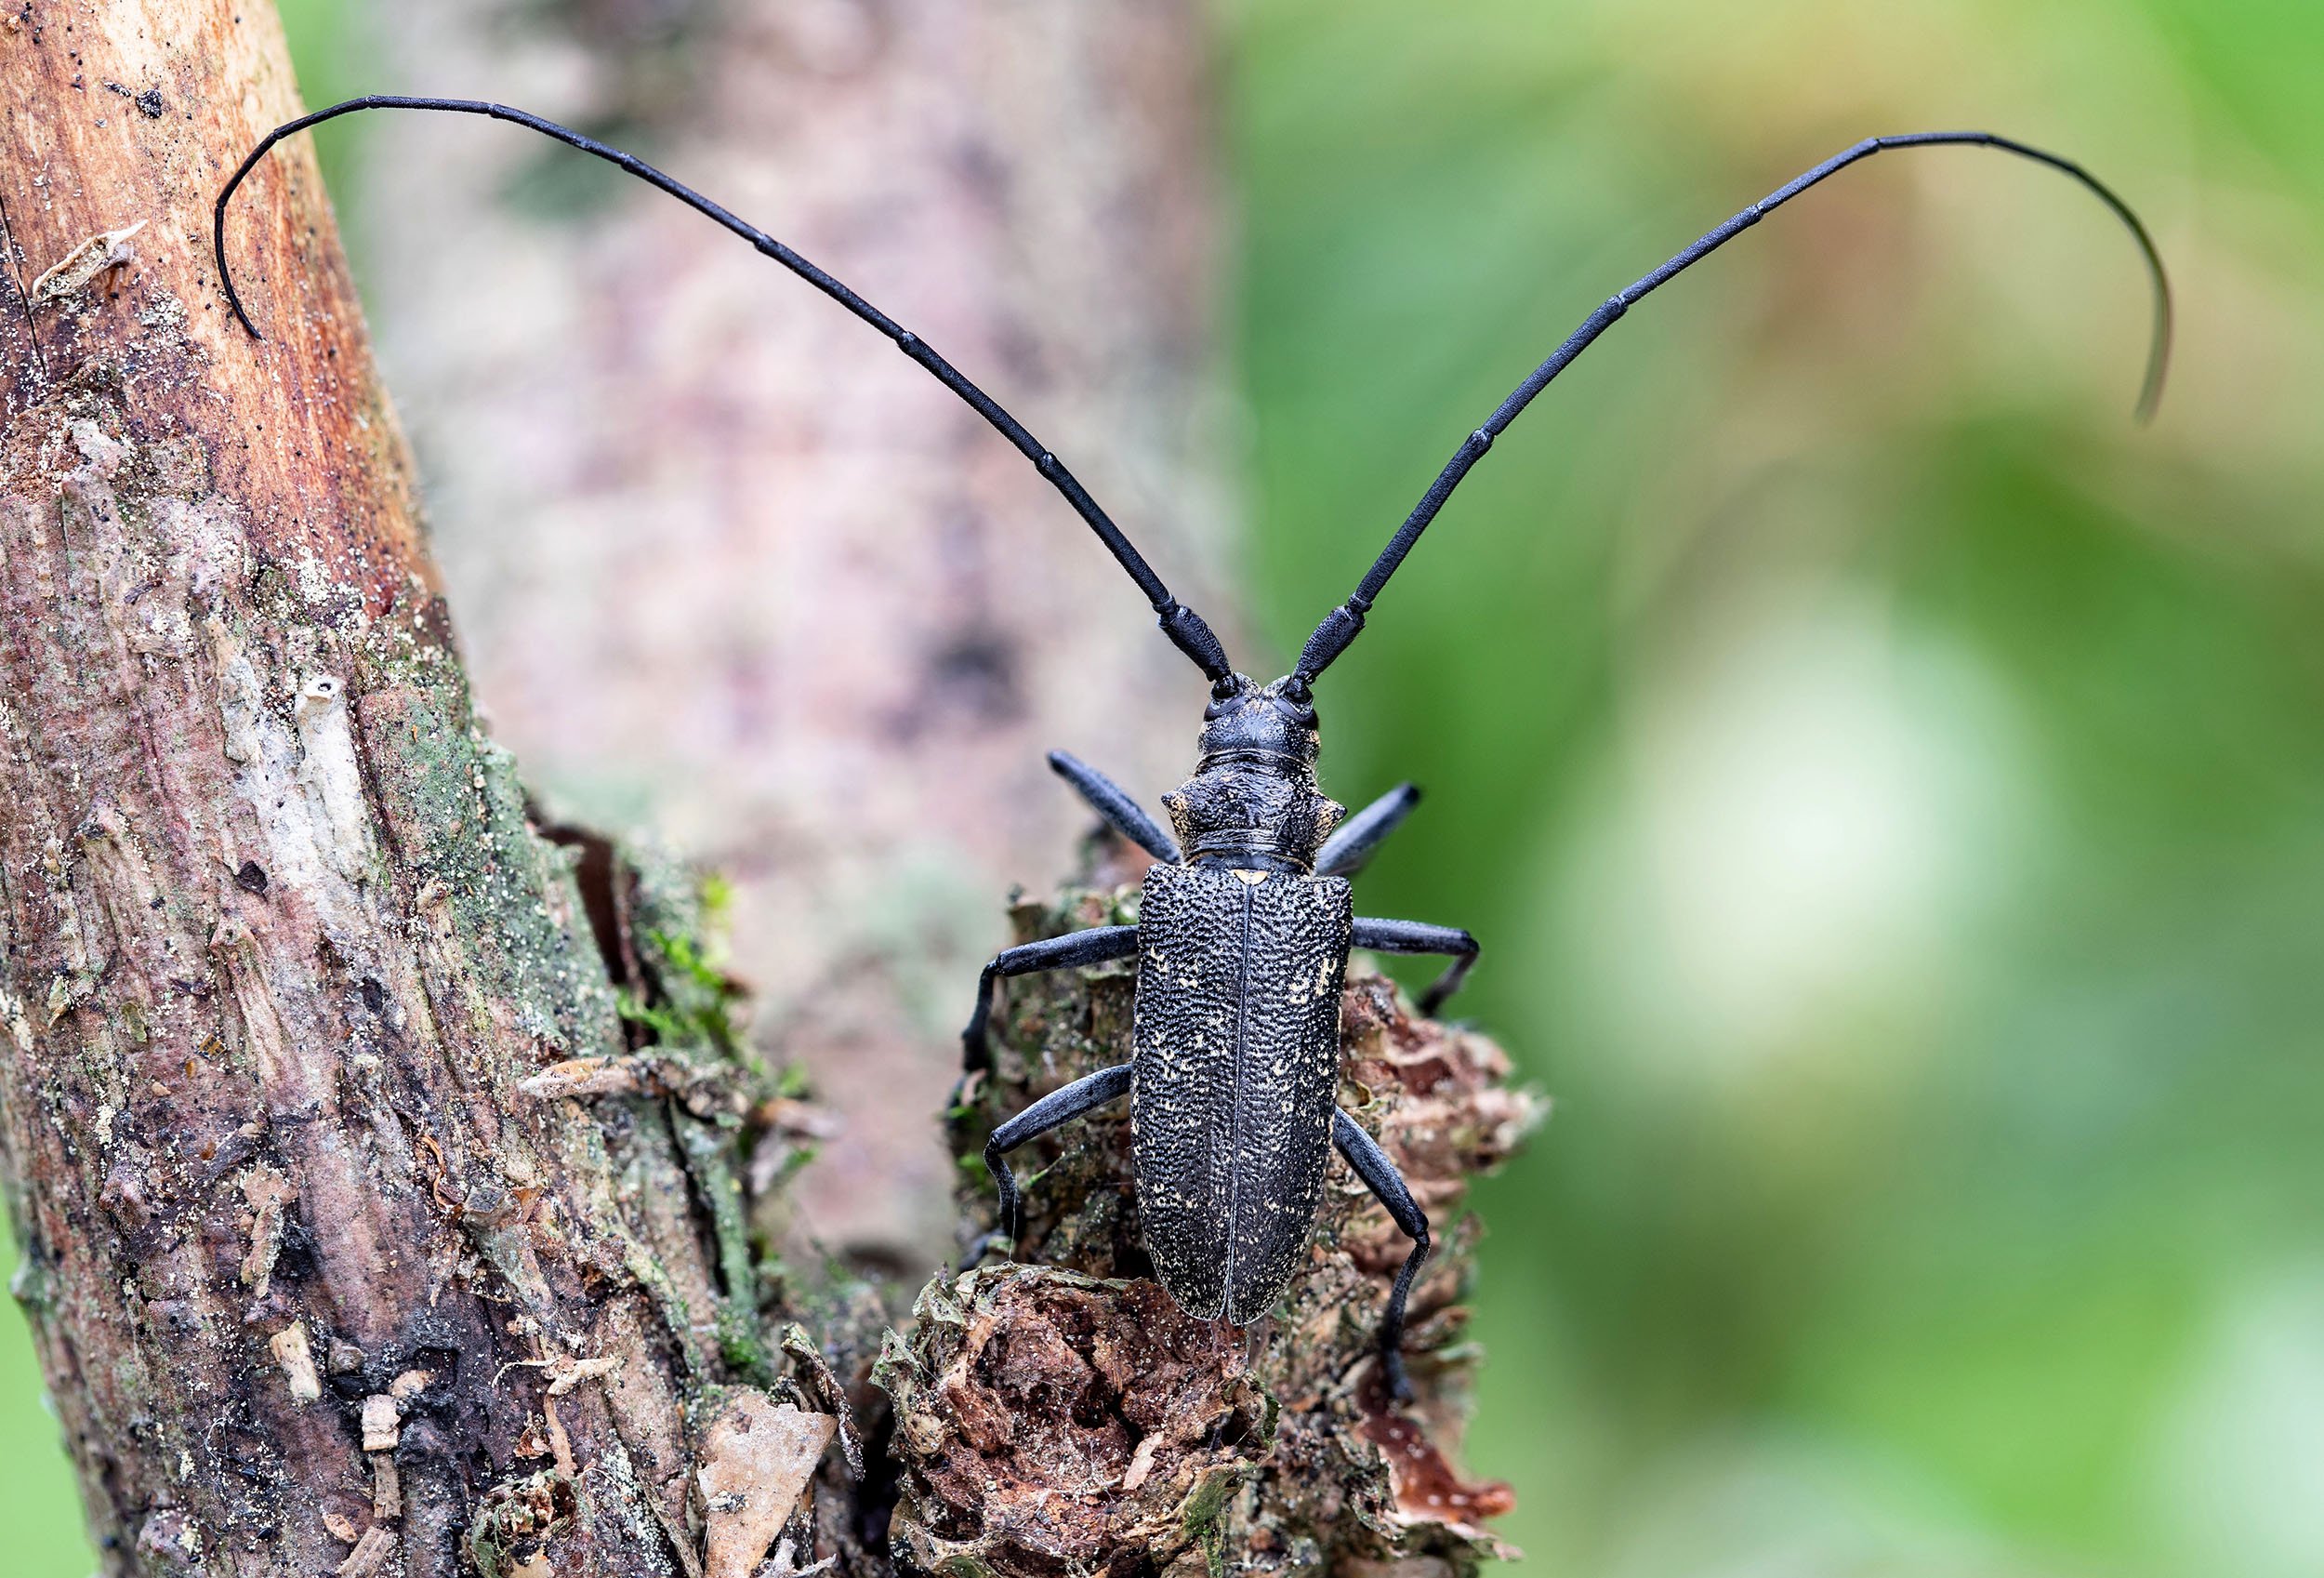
(1054, 1110)
(1388, 1186)
(1419, 937)
(1095, 945)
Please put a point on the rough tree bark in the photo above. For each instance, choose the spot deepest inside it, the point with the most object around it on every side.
(382, 1159)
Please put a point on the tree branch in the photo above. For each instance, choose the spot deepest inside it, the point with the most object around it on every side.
(317, 1285)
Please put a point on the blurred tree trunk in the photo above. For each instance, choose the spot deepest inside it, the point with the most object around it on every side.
(323, 1276)
(727, 561)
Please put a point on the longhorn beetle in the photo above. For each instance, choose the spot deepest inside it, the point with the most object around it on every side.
(1245, 921)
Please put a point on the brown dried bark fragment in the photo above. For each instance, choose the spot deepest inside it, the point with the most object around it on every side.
(1049, 1422)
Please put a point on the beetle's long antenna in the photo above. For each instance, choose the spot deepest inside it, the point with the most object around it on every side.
(1343, 623)
(1182, 625)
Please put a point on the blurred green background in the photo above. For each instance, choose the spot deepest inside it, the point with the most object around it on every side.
(1890, 782)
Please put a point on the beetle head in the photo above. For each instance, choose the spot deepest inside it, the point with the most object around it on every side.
(1258, 725)
(1253, 800)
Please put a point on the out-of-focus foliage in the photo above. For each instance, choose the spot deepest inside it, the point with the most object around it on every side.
(1889, 784)
(39, 1506)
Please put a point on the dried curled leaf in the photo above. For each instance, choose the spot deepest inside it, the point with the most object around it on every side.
(757, 1458)
(72, 274)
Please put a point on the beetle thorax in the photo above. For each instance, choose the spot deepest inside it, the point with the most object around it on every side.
(1253, 804)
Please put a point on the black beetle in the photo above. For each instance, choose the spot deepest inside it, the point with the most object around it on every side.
(1244, 928)
(1245, 924)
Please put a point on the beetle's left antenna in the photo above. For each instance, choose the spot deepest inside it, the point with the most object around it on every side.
(1186, 627)
(1344, 624)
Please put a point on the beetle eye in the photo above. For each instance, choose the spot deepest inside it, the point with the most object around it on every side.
(1224, 696)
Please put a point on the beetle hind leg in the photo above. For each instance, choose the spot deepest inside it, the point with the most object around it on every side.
(1054, 1110)
(1388, 1186)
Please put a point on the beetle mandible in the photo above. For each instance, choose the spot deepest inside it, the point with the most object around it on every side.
(1245, 921)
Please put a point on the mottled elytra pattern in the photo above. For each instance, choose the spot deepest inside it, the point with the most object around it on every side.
(1233, 1076)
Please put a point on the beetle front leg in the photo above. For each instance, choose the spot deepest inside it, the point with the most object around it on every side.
(1419, 937)
(1096, 946)
(1388, 1186)
(1052, 1111)
(1113, 802)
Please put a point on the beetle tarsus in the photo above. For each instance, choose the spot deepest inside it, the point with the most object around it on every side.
(1392, 1323)
(1005, 1214)
(1391, 1368)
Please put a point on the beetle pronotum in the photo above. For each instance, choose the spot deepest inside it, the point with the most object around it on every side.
(1245, 921)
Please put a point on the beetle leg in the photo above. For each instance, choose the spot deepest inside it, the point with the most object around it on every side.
(1052, 1111)
(1387, 1185)
(1112, 801)
(1344, 852)
(1419, 937)
(1095, 945)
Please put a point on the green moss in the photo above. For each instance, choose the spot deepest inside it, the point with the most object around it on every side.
(708, 1149)
(677, 1314)
(687, 1004)
(1203, 1523)
(458, 815)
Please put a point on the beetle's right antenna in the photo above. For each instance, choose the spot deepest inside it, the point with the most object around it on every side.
(1182, 625)
(1342, 625)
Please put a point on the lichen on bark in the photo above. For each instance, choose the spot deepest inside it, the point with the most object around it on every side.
(1048, 1419)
